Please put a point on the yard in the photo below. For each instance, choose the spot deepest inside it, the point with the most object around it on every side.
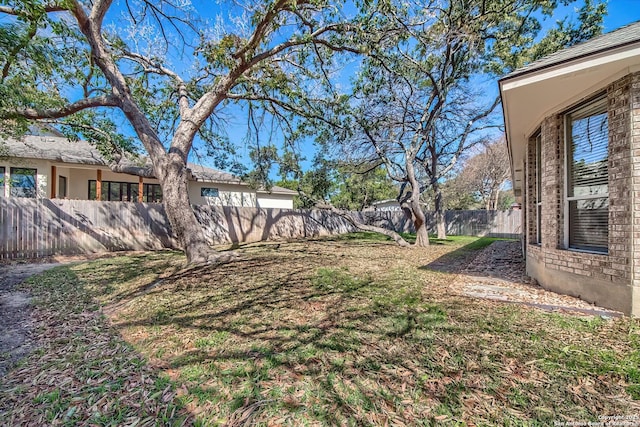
(339, 331)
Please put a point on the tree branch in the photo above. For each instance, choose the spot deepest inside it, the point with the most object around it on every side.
(261, 29)
(155, 67)
(47, 8)
(67, 110)
(311, 38)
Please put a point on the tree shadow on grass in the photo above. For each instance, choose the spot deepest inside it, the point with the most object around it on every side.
(319, 328)
(82, 371)
(456, 261)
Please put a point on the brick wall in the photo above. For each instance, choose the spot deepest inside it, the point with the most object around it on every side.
(552, 183)
(634, 145)
(530, 193)
(623, 100)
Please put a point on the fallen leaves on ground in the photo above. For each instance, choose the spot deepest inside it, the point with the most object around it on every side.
(340, 331)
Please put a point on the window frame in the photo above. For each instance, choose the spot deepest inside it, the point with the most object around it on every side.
(591, 104)
(12, 172)
(109, 188)
(3, 177)
(214, 190)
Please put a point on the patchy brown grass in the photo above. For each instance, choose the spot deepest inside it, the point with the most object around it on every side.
(350, 330)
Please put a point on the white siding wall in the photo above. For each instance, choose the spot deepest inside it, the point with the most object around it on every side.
(79, 183)
(228, 195)
(280, 201)
(389, 205)
(62, 171)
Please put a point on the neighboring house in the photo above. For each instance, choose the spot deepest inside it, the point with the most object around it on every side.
(54, 167)
(386, 205)
(573, 131)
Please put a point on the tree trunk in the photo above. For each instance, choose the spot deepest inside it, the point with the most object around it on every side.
(410, 204)
(496, 200)
(390, 233)
(422, 232)
(441, 225)
(414, 212)
(173, 178)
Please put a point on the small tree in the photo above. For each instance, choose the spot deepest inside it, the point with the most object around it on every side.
(487, 172)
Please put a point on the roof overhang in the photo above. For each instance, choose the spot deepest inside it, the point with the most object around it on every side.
(529, 97)
(278, 190)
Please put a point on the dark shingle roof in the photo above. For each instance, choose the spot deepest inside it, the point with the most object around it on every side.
(60, 149)
(629, 34)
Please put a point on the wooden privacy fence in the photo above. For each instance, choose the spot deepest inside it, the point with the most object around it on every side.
(31, 228)
(506, 224)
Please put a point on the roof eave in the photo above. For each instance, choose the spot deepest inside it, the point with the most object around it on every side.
(518, 74)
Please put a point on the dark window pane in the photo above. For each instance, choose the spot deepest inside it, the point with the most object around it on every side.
(133, 192)
(152, 193)
(158, 193)
(589, 156)
(209, 192)
(62, 187)
(92, 190)
(115, 191)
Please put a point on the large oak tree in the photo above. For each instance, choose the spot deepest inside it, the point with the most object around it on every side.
(94, 68)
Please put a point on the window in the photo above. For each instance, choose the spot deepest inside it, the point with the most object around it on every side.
(538, 188)
(62, 187)
(152, 193)
(587, 204)
(209, 192)
(23, 182)
(1, 181)
(115, 191)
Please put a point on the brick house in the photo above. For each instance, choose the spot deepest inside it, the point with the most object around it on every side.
(573, 130)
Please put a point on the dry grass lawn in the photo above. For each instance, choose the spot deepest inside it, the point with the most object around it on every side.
(344, 331)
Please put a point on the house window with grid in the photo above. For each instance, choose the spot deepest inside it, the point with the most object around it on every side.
(114, 191)
(587, 201)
